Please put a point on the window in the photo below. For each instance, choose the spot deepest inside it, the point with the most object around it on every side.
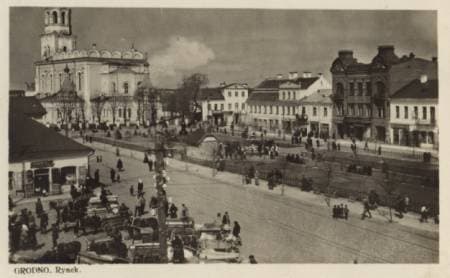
(55, 17)
(243, 106)
(243, 93)
(381, 90)
(215, 106)
(221, 106)
(79, 81)
(63, 18)
(289, 95)
(236, 106)
(325, 112)
(229, 94)
(229, 105)
(340, 89)
(303, 110)
(60, 79)
(277, 109)
(360, 110)
(236, 94)
(282, 110)
(380, 112)
(397, 112)
(352, 88)
(51, 82)
(314, 111)
(120, 112)
(416, 112)
(351, 109)
(10, 180)
(432, 114)
(129, 113)
(424, 113)
(368, 88)
(360, 88)
(284, 95)
(405, 111)
(125, 87)
(209, 106)
(113, 87)
(368, 110)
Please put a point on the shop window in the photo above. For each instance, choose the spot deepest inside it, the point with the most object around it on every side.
(56, 176)
(68, 174)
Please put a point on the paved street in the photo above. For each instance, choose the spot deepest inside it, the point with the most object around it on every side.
(278, 229)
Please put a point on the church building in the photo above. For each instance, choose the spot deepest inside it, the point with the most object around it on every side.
(113, 76)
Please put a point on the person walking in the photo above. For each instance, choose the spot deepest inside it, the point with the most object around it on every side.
(38, 207)
(236, 229)
(151, 162)
(140, 186)
(112, 175)
(346, 212)
(97, 177)
(119, 165)
(184, 212)
(142, 202)
(366, 145)
(131, 190)
(256, 177)
(226, 219)
(32, 236)
(366, 211)
(44, 222)
(423, 214)
(55, 235)
(137, 207)
(173, 211)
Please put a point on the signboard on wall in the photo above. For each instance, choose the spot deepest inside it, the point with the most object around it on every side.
(42, 164)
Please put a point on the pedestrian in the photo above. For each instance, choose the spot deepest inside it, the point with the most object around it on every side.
(140, 186)
(44, 222)
(142, 202)
(334, 212)
(423, 214)
(118, 178)
(256, 177)
(346, 212)
(32, 236)
(218, 220)
(112, 174)
(341, 211)
(226, 219)
(31, 219)
(151, 162)
(366, 145)
(97, 177)
(137, 207)
(119, 165)
(173, 211)
(236, 229)
(38, 207)
(338, 146)
(366, 211)
(318, 143)
(131, 190)
(252, 259)
(55, 235)
(184, 212)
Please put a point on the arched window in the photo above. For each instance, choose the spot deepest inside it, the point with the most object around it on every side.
(55, 17)
(125, 87)
(79, 80)
(381, 89)
(113, 86)
(65, 49)
(63, 18)
(340, 89)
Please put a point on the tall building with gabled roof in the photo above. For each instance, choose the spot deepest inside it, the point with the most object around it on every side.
(94, 72)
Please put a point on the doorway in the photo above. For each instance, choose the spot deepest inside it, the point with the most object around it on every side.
(41, 180)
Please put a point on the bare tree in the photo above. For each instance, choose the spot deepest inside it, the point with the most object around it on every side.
(69, 105)
(98, 105)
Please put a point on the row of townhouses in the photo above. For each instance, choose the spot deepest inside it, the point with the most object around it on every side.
(391, 100)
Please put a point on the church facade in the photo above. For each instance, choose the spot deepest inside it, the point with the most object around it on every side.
(112, 76)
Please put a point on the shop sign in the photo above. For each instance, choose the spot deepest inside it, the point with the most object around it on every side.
(42, 164)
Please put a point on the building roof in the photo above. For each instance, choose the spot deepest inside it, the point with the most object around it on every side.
(211, 94)
(263, 96)
(122, 70)
(28, 106)
(274, 83)
(417, 90)
(30, 140)
(110, 61)
(319, 97)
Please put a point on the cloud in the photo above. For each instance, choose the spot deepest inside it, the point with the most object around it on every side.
(181, 54)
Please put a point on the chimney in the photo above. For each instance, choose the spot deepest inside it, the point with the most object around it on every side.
(293, 75)
(306, 74)
(434, 59)
(346, 57)
(423, 78)
(94, 46)
(279, 76)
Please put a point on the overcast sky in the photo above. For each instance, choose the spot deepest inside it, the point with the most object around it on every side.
(228, 45)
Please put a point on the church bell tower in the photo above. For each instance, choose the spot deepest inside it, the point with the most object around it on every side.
(57, 35)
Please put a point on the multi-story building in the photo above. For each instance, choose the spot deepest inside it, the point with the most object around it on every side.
(94, 72)
(225, 104)
(362, 92)
(276, 103)
(414, 111)
(317, 110)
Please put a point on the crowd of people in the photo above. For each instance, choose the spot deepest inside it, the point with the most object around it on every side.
(340, 211)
